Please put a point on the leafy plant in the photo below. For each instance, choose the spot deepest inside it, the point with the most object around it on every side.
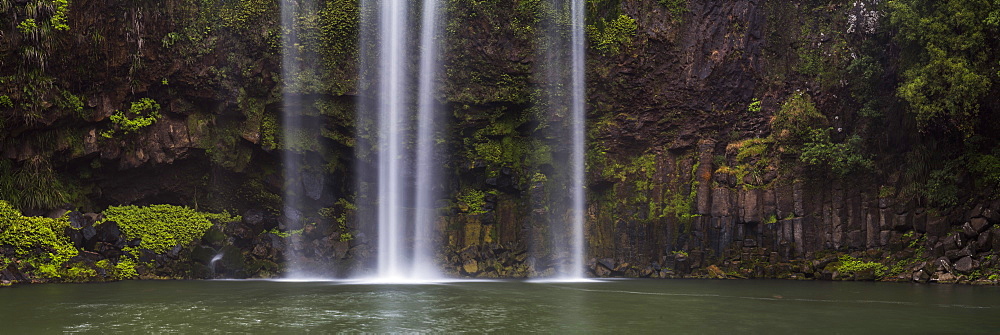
(851, 265)
(38, 242)
(141, 114)
(842, 158)
(611, 36)
(161, 227)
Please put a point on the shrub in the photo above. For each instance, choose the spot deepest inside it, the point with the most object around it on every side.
(161, 227)
(141, 114)
(36, 241)
(851, 265)
(842, 158)
(611, 36)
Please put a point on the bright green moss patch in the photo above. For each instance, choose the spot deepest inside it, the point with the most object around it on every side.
(161, 227)
(37, 242)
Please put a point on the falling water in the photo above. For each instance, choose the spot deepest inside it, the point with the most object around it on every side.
(427, 166)
(579, 129)
(405, 198)
(291, 123)
(563, 49)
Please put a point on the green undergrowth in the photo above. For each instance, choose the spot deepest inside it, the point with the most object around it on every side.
(40, 248)
(161, 227)
(853, 266)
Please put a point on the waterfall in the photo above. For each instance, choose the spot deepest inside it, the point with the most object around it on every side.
(291, 124)
(579, 129)
(406, 177)
(562, 49)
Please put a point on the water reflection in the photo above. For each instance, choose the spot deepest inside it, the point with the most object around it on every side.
(500, 306)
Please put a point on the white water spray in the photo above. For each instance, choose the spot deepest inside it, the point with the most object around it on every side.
(405, 198)
(563, 49)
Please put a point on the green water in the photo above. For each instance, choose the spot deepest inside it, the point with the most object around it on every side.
(639, 306)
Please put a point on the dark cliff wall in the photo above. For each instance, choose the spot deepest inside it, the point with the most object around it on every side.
(700, 114)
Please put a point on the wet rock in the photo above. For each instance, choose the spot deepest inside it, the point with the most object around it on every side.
(943, 264)
(952, 242)
(992, 215)
(340, 248)
(983, 242)
(944, 278)
(253, 217)
(108, 232)
(75, 236)
(968, 231)
(107, 250)
(956, 254)
(88, 233)
(12, 274)
(921, 276)
(312, 183)
(966, 264)
(213, 237)
(203, 254)
(937, 225)
(148, 256)
(995, 238)
(978, 225)
(76, 220)
(715, 272)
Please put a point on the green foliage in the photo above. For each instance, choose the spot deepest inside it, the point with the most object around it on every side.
(675, 7)
(6, 102)
(611, 36)
(948, 59)
(941, 188)
(141, 114)
(754, 106)
(794, 122)
(842, 158)
(866, 72)
(59, 16)
(27, 26)
(161, 227)
(122, 270)
(32, 185)
(472, 201)
(851, 265)
(38, 242)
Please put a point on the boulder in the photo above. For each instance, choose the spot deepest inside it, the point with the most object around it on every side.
(921, 276)
(953, 242)
(945, 278)
(108, 232)
(968, 231)
(88, 232)
(943, 264)
(12, 274)
(992, 215)
(966, 264)
(715, 272)
(76, 220)
(75, 236)
(983, 242)
(978, 225)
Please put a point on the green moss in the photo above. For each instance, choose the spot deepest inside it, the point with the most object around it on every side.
(675, 7)
(472, 201)
(609, 37)
(161, 227)
(850, 265)
(38, 243)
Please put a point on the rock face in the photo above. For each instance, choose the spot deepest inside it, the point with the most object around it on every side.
(676, 186)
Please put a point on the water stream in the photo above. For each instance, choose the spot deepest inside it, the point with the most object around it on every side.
(403, 90)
